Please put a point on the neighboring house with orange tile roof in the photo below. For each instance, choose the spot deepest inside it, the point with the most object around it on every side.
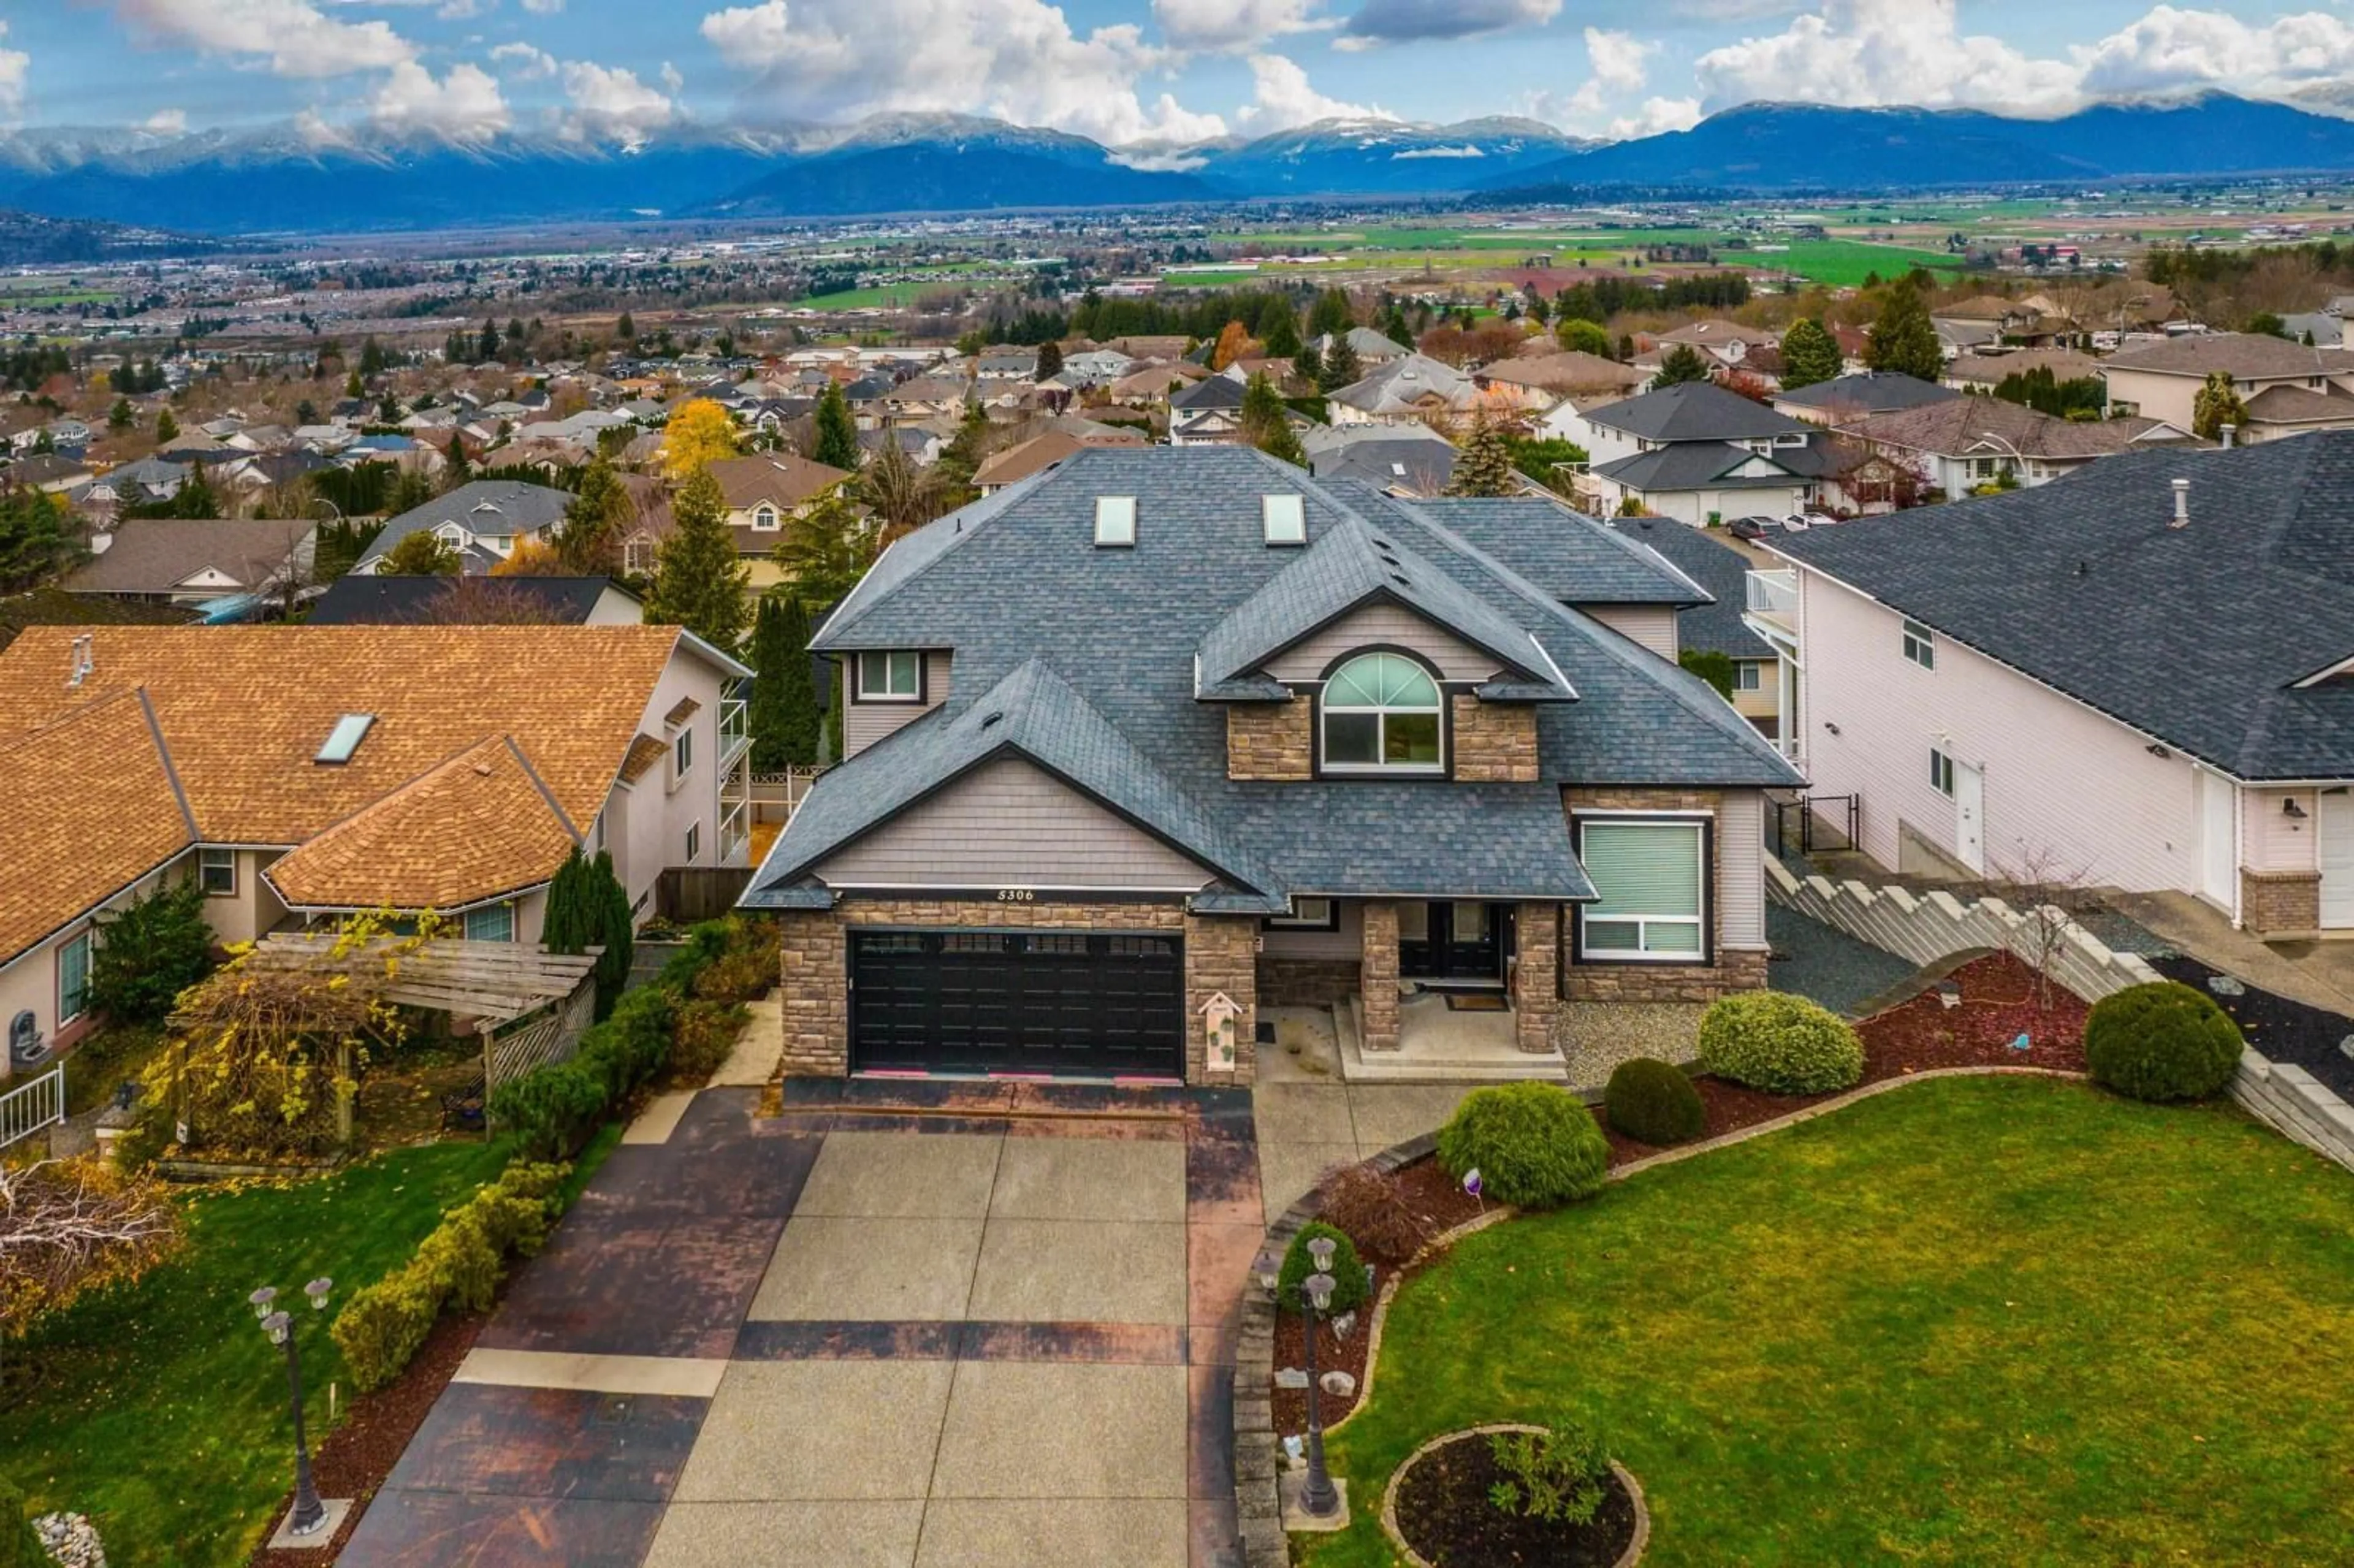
(304, 772)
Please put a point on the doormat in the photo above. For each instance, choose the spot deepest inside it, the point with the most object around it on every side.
(1476, 1001)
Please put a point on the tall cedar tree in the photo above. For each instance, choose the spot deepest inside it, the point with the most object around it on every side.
(455, 469)
(1331, 314)
(490, 344)
(1680, 364)
(1342, 367)
(1485, 464)
(573, 919)
(785, 714)
(600, 512)
(1309, 365)
(1810, 355)
(1050, 360)
(166, 427)
(1267, 424)
(837, 432)
(626, 329)
(699, 580)
(614, 924)
(1281, 336)
(1904, 339)
(1394, 327)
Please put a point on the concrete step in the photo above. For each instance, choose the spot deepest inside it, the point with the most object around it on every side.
(1459, 1064)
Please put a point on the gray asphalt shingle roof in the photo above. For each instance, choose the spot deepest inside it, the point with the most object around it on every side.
(2197, 635)
(1016, 579)
(1693, 411)
(1699, 465)
(1717, 567)
(1565, 555)
(1868, 392)
(479, 506)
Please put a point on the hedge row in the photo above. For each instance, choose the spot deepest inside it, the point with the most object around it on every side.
(463, 1261)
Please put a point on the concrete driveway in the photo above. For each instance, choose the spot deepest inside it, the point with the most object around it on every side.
(900, 1325)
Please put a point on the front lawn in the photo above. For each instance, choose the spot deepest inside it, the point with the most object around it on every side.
(160, 1409)
(1975, 1320)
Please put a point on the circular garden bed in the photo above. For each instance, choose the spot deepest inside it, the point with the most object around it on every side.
(1439, 1511)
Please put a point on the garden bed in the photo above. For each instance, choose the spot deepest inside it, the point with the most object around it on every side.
(2280, 1029)
(1439, 1508)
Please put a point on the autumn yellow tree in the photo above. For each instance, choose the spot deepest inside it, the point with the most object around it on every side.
(1233, 343)
(532, 558)
(700, 434)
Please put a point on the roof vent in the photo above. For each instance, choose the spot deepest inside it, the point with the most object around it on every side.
(2181, 505)
(81, 661)
(345, 738)
(1115, 522)
(1401, 580)
(994, 717)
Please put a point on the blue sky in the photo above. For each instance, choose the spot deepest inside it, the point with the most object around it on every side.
(1124, 71)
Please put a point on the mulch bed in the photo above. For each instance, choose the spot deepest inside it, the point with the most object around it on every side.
(1444, 1513)
(1998, 1001)
(358, 1455)
(2282, 1029)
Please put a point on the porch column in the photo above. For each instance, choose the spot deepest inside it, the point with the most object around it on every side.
(1378, 977)
(1536, 975)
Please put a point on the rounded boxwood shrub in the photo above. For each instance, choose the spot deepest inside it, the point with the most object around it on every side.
(1348, 1269)
(1653, 1101)
(2164, 1041)
(1782, 1043)
(1535, 1145)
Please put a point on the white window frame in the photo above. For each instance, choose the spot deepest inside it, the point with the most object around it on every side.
(211, 860)
(693, 842)
(1325, 915)
(70, 1007)
(1378, 768)
(1588, 914)
(682, 755)
(1749, 675)
(484, 911)
(1919, 644)
(766, 518)
(890, 692)
(1941, 771)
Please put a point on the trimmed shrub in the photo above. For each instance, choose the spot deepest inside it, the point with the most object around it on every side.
(1535, 1145)
(1371, 1208)
(747, 970)
(703, 1035)
(382, 1326)
(1557, 1474)
(1782, 1043)
(551, 1111)
(1348, 1269)
(2164, 1041)
(1652, 1101)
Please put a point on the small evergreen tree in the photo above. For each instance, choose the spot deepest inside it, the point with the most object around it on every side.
(1810, 355)
(572, 921)
(148, 952)
(1484, 467)
(626, 329)
(1267, 423)
(837, 432)
(119, 417)
(1394, 328)
(1342, 367)
(1050, 360)
(1308, 364)
(698, 580)
(594, 520)
(1281, 333)
(2217, 404)
(489, 348)
(1681, 363)
(423, 554)
(1904, 339)
(1331, 315)
(615, 930)
(166, 428)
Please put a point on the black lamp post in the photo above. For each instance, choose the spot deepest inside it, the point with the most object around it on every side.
(1317, 1496)
(309, 1513)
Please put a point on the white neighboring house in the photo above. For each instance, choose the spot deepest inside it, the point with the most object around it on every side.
(2143, 678)
(482, 521)
(1693, 451)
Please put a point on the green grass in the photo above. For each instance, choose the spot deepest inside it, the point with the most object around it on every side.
(1975, 1321)
(160, 1410)
(1836, 262)
(99, 1066)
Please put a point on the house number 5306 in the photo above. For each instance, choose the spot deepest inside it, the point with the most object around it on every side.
(1016, 896)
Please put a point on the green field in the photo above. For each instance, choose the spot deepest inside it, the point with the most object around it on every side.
(1834, 263)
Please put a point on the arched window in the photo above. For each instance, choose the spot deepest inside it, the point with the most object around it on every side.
(1381, 714)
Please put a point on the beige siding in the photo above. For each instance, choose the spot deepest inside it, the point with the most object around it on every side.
(1007, 824)
(1385, 623)
(864, 724)
(253, 911)
(1651, 625)
(1741, 868)
(2274, 840)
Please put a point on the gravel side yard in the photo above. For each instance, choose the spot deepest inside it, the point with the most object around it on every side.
(1826, 966)
(2321, 1042)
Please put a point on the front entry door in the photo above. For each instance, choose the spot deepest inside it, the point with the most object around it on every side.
(1465, 942)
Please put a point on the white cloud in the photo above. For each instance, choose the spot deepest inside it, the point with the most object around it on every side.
(542, 8)
(1281, 99)
(294, 36)
(1232, 25)
(1617, 59)
(611, 104)
(16, 65)
(1656, 115)
(524, 63)
(673, 81)
(1017, 60)
(1404, 21)
(2170, 50)
(166, 122)
(461, 107)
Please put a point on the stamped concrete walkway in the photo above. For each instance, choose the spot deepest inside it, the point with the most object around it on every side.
(898, 1325)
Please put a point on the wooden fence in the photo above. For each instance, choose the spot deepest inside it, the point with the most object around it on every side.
(688, 894)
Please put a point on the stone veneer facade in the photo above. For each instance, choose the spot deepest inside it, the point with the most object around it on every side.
(2273, 901)
(1494, 743)
(1536, 974)
(1741, 969)
(1286, 980)
(1271, 742)
(1220, 955)
(1377, 978)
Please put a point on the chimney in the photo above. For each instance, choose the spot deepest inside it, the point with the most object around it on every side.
(2181, 505)
(2224, 433)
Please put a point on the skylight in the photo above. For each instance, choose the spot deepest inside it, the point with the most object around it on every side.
(1285, 518)
(345, 738)
(1114, 520)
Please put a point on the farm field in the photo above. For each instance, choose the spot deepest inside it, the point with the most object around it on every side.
(1835, 262)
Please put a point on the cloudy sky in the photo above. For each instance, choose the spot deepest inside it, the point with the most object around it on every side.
(1119, 70)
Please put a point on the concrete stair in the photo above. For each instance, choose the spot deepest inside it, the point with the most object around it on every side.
(1451, 1048)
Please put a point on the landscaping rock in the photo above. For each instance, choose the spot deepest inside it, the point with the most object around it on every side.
(1290, 1377)
(1339, 1385)
(70, 1540)
(2346, 1047)
(2226, 985)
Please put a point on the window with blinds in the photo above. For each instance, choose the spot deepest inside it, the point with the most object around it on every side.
(1649, 877)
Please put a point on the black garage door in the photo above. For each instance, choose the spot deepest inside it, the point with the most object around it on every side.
(1073, 1003)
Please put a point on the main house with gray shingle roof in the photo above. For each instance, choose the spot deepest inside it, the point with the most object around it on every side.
(1164, 736)
(2141, 675)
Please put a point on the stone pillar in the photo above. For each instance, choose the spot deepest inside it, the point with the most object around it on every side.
(1220, 955)
(2279, 901)
(1378, 977)
(1536, 976)
(813, 975)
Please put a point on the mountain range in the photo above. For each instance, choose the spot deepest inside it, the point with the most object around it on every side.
(283, 181)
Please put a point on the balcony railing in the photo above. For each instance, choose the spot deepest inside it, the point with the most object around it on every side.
(735, 724)
(735, 830)
(1774, 596)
